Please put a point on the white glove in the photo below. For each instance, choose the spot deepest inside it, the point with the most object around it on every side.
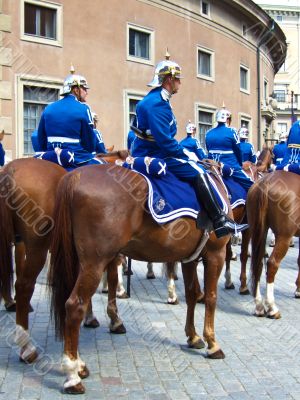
(192, 156)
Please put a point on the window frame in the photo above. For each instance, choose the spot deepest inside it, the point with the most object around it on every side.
(151, 44)
(28, 80)
(207, 109)
(208, 8)
(266, 90)
(59, 23)
(205, 50)
(129, 95)
(247, 69)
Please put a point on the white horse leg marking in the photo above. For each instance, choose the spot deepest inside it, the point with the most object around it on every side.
(172, 296)
(270, 300)
(228, 281)
(120, 289)
(259, 305)
(22, 339)
(71, 369)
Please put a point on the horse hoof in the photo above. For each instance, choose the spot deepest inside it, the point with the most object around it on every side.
(29, 359)
(197, 343)
(234, 258)
(84, 373)
(119, 330)
(122, 296)
(259, 314)
(175, 277)
(125, 272)
(76, 389)
(217, 355)
(297, 295)
(94, 323)
(229, 287)
(151, 276)
(105, 291)
(244, 292)
(173, 302)
(10, 307)
(277, 315)
(30, 308)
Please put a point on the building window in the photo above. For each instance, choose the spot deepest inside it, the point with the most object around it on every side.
(205, 123)
(204, 8)
(279, 18)
(131, 100)
(132, 109)
(281, 127)
(205, 68)
(35, 99)
(41, 22)
(140, 44)
(244, 79)
(283, 68)
(266, 91)
(280, 95)
(244, 30)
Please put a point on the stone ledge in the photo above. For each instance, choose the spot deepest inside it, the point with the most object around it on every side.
(5, 23)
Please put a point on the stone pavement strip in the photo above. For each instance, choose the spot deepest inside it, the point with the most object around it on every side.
(152, 360)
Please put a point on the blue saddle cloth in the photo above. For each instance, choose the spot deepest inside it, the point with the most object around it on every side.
(169, 198)
(237, 193)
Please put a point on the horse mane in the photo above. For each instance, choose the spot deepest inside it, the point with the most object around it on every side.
(113, 155)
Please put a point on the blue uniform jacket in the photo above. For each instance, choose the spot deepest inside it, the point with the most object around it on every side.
(292, 154)
(2, 154)
(100, 146)
(156, 119)
(248, 153)
(193, 144)
(130, 138)
(222, 144)
(279, 151)
(67, 123)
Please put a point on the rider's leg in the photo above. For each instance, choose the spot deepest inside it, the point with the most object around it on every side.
(223, 225)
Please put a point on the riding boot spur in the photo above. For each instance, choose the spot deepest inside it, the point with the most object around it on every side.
(222, 224)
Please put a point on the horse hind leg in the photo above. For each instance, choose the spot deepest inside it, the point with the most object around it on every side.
(229, 285)
(150, 273)
(121, 291)
(244, 258)
(279, 251)
(189, 272)
(90, 320)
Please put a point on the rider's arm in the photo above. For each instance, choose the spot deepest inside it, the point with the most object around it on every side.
(253, 157)
(199, 150)
(2, 154)
(88, 139)
(100, 147)
(236, 147)
(42, 135)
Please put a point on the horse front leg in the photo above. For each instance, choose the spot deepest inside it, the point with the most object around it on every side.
(116, 324)
(213, 264)
(189, 272)
(228, 282)
(244, 258)
(170, 272)
(76, 306)
(90, 320)
(297, 292)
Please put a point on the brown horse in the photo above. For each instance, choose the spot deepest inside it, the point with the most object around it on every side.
(273, 202)
(27, 195)
(99, 213)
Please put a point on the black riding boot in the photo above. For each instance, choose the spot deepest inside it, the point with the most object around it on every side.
(223, 225)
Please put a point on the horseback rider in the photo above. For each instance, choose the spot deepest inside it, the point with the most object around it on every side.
(191, 143)
(280, 148)
(247, 149)
(2, 152)
(223, 145)
(67, 124)
(100, 146)
(156, 128)
(291, 159)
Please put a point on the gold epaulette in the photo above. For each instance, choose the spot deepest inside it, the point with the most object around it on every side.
(294, 146)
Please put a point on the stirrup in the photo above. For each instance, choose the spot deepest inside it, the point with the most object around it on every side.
(226, 226)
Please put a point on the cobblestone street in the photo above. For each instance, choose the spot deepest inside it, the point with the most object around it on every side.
(152, 360)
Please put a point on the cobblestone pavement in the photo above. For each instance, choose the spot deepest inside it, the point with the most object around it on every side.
(152, 360)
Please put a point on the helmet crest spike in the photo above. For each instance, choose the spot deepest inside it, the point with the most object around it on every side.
(72, 69)
(167, 56)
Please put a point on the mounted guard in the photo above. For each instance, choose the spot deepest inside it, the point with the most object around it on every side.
(247, 149)
(191, 143)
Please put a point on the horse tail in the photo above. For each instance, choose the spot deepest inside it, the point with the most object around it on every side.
(6, 238)
(64, 264)
(257, 203)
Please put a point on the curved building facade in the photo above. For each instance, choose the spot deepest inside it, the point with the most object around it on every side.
(229, 51)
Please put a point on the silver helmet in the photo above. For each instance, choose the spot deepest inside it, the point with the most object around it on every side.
(243, 132)
(190, 128)
(223, 115)
(163, 69)
(73, 80)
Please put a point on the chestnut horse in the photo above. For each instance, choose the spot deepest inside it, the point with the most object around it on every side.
(99, 214)
(273, 202)
(255, 171)
(27, 195)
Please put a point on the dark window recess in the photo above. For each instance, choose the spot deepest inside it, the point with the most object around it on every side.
(40, 21)
(139, 44)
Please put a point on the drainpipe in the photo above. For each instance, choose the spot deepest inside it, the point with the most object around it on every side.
(263, 39)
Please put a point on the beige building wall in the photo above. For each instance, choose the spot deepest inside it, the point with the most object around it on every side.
(94, 37)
